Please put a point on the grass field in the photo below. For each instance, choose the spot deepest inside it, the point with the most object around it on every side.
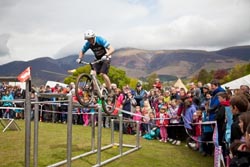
(52, 149)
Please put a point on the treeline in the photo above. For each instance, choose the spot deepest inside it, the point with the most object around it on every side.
(223, 75)
(119, 76)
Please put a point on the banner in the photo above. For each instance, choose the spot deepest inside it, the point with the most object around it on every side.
(24, 75)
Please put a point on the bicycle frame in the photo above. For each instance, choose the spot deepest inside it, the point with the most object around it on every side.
(96, 83)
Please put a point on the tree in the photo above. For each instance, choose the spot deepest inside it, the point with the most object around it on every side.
(237, 71)
(150, 81)
(204, 76)
(220, 74)
(116, 76)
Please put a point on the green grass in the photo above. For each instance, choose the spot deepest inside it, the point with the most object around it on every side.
(52, 149)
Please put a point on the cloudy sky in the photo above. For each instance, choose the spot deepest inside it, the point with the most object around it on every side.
(39, 28)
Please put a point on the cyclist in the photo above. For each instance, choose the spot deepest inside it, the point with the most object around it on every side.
(102, 50)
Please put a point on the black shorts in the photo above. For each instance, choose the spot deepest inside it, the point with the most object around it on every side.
(102, 67)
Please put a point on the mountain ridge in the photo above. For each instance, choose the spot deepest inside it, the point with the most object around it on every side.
(137, 63)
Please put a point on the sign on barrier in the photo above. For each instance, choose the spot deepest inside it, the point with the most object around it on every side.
(9, 124)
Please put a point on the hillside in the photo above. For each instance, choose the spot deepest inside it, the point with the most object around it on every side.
(137, 63)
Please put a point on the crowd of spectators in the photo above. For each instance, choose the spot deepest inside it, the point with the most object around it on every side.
(168, 114)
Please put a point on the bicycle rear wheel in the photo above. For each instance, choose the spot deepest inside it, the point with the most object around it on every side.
(108, 102)
(84, 89)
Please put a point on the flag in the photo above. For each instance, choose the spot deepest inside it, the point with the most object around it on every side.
(24, 75)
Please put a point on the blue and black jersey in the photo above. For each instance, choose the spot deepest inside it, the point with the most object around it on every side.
(98, 48)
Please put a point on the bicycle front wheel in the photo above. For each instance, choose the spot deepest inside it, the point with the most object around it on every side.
(108, 102)
(84, 89)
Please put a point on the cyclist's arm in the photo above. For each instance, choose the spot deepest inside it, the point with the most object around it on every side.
(84, 49)
(81, 55)
(110, 50)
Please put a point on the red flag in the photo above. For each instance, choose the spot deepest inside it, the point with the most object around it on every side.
(24, 75)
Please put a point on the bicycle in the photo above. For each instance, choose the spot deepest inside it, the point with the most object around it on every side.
(91, 88)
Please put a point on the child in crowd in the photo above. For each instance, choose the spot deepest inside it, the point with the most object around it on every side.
(197, 120)
(145, 119)
(207, 133)
(85, 115)
(162, 121)
(240, 149)
(153, 130)
(137, 117)
(174, 129)
(239, 104)
(159, 104)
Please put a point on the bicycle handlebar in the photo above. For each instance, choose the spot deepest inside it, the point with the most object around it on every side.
(93, 62)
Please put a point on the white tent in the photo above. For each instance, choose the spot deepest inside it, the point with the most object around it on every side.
(180, 84)
(53, 84)
(235, 84)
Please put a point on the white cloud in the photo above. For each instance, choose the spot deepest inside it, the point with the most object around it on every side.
(4, 50)
(55, 28)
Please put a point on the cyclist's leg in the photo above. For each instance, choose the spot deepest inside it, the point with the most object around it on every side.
(104, 71)
(107, 80)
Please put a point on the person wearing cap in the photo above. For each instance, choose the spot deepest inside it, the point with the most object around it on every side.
(102, 50)
(140, 93)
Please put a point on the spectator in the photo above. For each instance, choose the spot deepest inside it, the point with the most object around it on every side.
(174, 94)
(157, 84)
(189, 110)
(128, 104)
(166, 96)
(162, 122)
(205, 91)
(207, 133)
(174, 128)
(19, 94)
(241, 149)
(137, 117)
(216, 88)
(195, 91)
(7, 98)
(239, 104)
(140, 93)
(220, 118)
(146, 118)
(214, 102)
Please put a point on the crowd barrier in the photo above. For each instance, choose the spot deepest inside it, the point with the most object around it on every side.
(72, 105)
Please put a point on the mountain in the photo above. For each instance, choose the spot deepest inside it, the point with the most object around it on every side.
(137, 63)
(179, 63)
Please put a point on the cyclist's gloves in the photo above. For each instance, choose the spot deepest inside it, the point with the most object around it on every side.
(105, 57)
(78, 60)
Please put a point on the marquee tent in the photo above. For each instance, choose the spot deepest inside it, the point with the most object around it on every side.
(235, 84)
(180, 84)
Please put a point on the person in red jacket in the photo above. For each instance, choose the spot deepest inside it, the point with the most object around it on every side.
(162, 121)
(157, 84)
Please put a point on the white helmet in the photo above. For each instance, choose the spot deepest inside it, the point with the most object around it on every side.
(89, 34)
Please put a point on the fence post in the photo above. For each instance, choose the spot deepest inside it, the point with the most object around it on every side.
(27, 124)
(69, 131)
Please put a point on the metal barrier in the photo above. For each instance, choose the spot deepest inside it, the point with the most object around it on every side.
(69, 134)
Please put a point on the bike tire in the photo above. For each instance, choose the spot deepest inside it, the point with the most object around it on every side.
(81, 84)
(108, 102)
